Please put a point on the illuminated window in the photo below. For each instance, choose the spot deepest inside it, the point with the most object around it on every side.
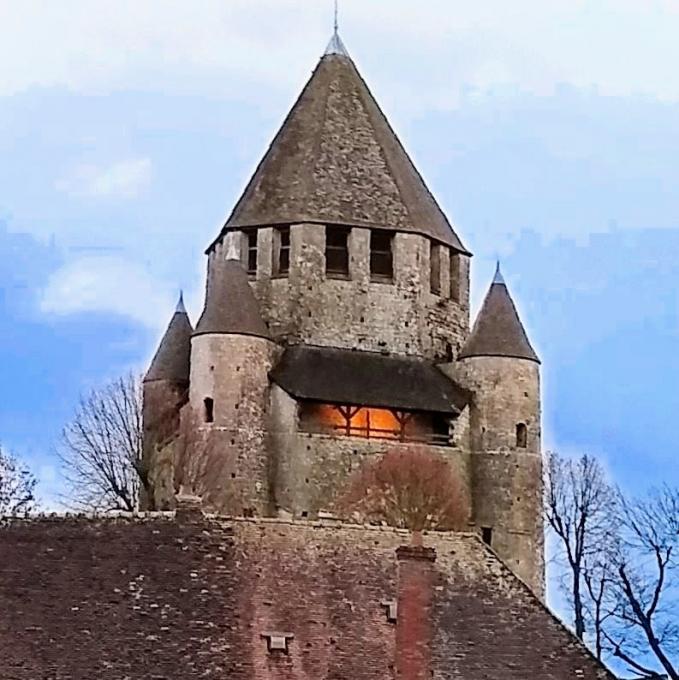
(381, 257)
(337, 251)
(375, 423)
(281, 243)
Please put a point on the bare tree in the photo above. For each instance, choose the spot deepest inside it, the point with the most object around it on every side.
(101, 448)
(579, 511)
(17, 486)
(646, 622)
(410, 488)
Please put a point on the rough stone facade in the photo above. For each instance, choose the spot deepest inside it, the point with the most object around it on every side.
(336, 165)
(187, 597)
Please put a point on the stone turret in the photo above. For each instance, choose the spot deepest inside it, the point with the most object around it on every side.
(231, 355)
(503, 371)
(165, 391)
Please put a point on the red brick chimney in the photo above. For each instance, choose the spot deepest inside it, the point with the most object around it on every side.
(413, 623)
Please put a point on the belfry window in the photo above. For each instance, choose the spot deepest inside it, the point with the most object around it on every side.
(281, 244)
(251, 252)
(435, 268)
(337, 251)
(381, 256)
(521, 436)
(455, 273)
(374, 423)
(208, 410)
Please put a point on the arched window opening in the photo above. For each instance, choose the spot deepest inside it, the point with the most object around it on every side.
(209, 410)
(521, 436)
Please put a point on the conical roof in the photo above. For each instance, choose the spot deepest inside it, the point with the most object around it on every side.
(336, 160)
(230, 303)
(173, 356)
(498, 331)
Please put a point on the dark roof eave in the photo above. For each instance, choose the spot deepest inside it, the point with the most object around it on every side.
(453, 410)
(498, 354)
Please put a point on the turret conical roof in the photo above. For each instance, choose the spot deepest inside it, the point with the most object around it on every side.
(336, 160)
(173, 356)
(498, 330)
(230, 303)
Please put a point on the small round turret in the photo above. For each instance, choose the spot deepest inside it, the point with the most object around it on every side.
(231, 355)
(165, 391)
(503, 371)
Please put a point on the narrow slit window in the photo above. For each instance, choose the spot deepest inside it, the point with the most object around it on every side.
(209, 410)
(251, 251)
(521, 436)
(487, 535)
(435, 268)
(381, 255)
(281, 251)
(337, 251)
(455, 275)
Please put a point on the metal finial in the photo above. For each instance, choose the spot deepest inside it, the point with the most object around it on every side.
(180, 304)
(498, 278)
(336, 46)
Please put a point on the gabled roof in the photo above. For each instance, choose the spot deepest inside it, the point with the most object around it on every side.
(340, 376)
(193, 597)
(172, 358)
(336, 160)
(498, 330)
(230, 303)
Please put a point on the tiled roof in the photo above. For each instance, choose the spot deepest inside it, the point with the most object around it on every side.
(230, 303)
(341, 376)
(336, 160)
(498, 330)
(154, 597)
(172, 358)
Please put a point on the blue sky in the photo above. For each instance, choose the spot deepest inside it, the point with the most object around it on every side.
(548, 131)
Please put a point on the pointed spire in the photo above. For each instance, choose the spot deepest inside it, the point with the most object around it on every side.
(498, 330)
(230, 305)
(180, 309)
(498, 278)
(315, 169)
(172, 358)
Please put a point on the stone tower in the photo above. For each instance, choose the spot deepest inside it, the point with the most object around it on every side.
(501, 369)
(336, 328)
(165, 391)
(231, 355)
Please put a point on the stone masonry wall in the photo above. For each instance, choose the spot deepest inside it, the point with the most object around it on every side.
(233, 371)
(312, 469)
(401, 316)
(507, 479)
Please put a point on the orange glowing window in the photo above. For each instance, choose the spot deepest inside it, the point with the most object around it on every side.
(373, 423)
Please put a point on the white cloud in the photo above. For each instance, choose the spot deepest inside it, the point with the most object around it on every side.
(107, 285)
(124, 179)
(620, 46)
